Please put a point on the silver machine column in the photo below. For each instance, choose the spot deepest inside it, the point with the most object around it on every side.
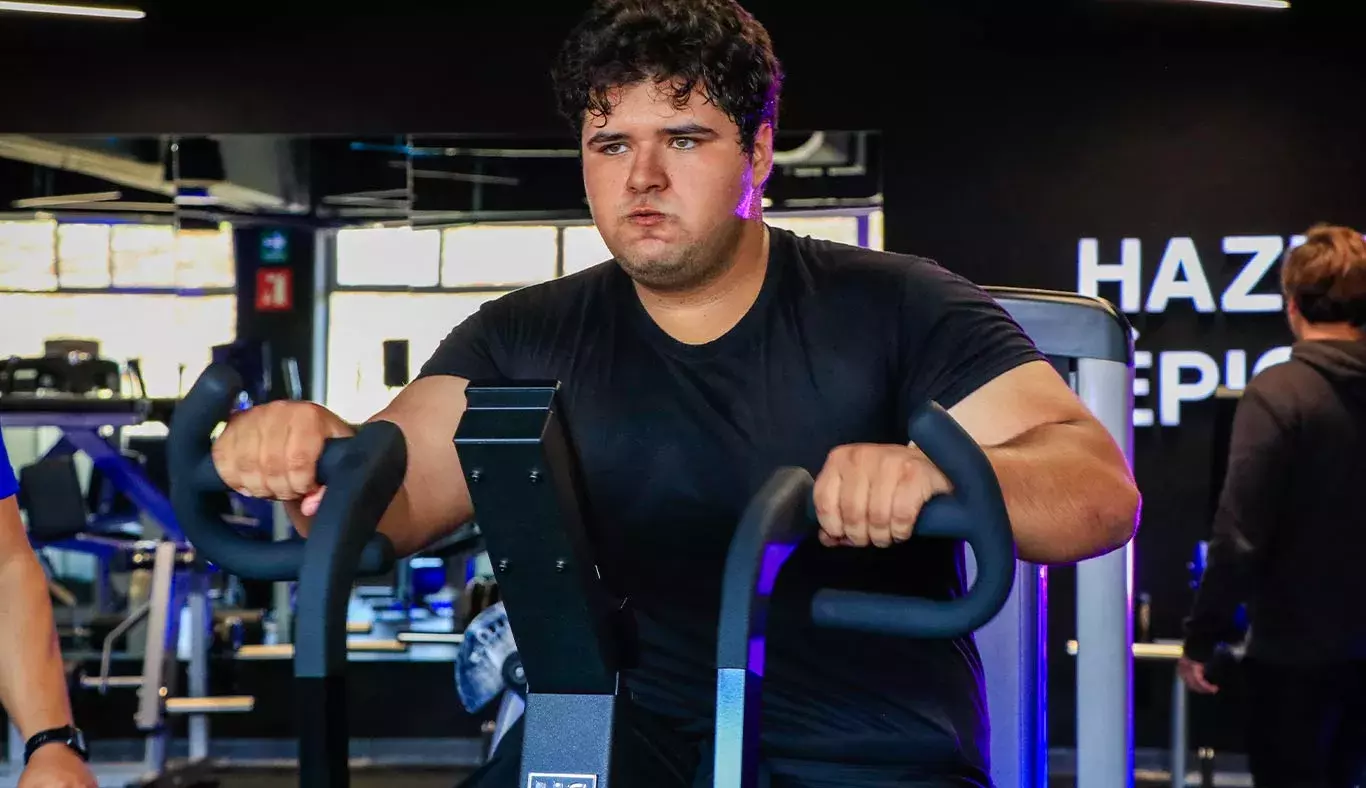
(1090, 342)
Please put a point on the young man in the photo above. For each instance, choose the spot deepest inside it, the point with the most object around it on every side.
(1290, 532)
(712, 350)
(32, 679)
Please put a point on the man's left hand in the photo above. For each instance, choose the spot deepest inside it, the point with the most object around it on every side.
(1194, 675)
(872, 493)
(56, 766)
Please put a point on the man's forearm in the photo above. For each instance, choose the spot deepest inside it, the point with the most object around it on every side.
(1222, 588)
(1068, 491)
(32, 678)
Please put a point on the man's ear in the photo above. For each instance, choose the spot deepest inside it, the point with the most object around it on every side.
(763, 155)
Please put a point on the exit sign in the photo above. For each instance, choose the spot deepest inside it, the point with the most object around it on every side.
(274, 246)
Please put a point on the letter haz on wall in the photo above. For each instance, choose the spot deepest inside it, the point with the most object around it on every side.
(1181, 282)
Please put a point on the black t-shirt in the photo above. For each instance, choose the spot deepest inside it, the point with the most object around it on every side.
(840, 347)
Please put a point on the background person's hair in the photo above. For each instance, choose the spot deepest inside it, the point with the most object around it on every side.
(712, 45)
(1326, 275)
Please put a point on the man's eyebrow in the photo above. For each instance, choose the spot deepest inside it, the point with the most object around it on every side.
(690, 130)
(606, 136)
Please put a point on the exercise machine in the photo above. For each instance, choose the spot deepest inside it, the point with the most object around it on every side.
(527, 489)
(1091, 344)
(523, 452)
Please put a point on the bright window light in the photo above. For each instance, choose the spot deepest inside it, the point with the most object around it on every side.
(496, 255)
(388, 256)
(583, 248)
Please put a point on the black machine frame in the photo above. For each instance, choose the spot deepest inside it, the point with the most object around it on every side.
(527, 488)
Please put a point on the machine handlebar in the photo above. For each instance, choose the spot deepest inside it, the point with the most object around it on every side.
(782, 514)
(363, 473)
(975, 512)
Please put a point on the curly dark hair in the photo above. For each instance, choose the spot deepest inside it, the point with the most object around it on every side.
(712, 44)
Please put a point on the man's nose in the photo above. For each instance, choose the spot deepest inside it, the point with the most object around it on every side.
(647, 171)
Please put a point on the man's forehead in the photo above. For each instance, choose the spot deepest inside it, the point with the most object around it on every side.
(651, 101)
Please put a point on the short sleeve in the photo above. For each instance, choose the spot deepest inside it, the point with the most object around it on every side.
(955, 338)
(8, 484)
(470, 350)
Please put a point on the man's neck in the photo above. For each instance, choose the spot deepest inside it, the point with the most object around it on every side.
(1330, 332)
(706, 313)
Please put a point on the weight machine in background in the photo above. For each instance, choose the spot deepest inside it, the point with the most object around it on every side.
(126, 523)
(1091, 344)
(179, 580)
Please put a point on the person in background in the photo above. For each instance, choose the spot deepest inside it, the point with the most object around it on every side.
(1290, 532)
(32, 677)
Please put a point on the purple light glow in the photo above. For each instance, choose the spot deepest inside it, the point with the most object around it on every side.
(749, 196)
(756, 655)
(774, 557)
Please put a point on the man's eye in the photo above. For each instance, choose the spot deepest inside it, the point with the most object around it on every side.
(684, 143)
(613, 148)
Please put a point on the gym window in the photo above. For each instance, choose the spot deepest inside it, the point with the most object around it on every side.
(144, 291)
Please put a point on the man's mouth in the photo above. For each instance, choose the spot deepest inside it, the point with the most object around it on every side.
(645, 216)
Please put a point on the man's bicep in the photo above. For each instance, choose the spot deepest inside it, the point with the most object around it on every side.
(1023, 398)
(428, 412)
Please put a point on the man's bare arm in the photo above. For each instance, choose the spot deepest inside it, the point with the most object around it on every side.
(434, 499)
(32, 679)
(1066, 483)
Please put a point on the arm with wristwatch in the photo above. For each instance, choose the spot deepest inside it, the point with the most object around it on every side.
(32, 679)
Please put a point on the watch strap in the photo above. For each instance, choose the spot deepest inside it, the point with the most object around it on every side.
(68, 735)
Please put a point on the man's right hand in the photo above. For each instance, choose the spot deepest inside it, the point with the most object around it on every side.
(271, 451)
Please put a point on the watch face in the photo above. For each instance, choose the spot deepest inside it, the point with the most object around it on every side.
(78, 739)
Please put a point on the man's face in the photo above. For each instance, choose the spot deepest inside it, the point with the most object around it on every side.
(670, 188)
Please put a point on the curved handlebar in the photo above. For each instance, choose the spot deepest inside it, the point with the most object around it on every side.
(782, 514)
(974, 512)
(362, 473)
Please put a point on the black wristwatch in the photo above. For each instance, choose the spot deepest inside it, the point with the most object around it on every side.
(69, 735)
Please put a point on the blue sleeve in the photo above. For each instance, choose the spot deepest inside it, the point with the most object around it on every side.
(8, 484)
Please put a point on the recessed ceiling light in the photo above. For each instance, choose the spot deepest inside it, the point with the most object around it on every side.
(64, 9)
(1280, 4)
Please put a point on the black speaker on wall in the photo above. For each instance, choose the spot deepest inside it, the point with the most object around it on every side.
(395, 363)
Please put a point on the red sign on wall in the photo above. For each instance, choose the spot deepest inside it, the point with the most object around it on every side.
(274, 289)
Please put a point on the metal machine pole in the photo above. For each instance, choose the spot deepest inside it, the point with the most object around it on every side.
(1105, 697)
(1179, 745)
(1014, 650)
(201, 618)
(282, 602)
(1090, 343)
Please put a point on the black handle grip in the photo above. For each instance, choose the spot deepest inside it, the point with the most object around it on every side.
(363, 470)
(782, 514)
(975, 512)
